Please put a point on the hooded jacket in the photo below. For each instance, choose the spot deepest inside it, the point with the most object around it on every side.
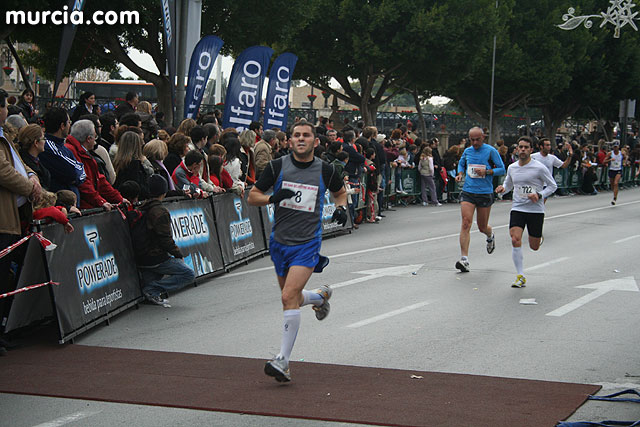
(95, 191)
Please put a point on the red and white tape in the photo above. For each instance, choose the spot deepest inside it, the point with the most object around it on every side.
(28, 288)
(47, 244)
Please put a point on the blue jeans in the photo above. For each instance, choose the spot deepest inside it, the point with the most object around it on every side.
(168, 276)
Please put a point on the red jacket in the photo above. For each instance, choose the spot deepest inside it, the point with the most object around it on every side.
(95, 191)
(227, 181)
(53, 212)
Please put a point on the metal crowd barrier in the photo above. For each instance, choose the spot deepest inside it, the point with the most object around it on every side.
(571, 180)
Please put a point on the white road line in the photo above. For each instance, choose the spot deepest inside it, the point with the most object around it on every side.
(546, 264)
(627, 239)
(389, 314)
(568, 308)
(439, 211)
(354, 281)
(242, 273)
(68, 419)
(432, 239)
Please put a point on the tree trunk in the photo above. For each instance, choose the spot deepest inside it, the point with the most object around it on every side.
(423, 125)
(368, 112)
(164, 99)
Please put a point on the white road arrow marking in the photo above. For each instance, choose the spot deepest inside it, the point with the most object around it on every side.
(398, 271)
(389, 314)
(601, 288)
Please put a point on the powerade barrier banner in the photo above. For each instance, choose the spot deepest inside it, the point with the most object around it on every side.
(328, 226)
(68, 34)
(95, 267)
(239, 228)
(268, 218)
(202, 59)
(169, 26)
(194, 232)
(34, 305)
(244, 93)
(276, 107)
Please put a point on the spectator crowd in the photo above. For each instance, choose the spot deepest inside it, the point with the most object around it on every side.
(57, 163)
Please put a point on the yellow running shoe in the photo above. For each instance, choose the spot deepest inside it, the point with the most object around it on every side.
(520, 282)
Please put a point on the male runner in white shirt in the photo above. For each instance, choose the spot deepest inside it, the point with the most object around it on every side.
(545, 157)
(531, 182)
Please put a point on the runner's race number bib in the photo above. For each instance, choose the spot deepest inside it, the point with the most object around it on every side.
(305, 198)
(472, 170)
(616, 163)
(522, 192)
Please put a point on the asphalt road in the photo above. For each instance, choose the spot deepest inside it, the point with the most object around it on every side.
(398, 302)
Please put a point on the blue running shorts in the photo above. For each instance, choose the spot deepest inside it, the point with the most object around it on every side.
(285, 256)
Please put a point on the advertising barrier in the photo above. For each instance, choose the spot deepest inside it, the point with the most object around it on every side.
(194, 232)
(35, 305)
(95, 268)
(239, 228)
(268, 213)
(328, 226)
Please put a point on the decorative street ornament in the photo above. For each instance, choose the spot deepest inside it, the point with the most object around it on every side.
(618, 14)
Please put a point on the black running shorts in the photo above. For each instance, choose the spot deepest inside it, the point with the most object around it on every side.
(533, 222)
(480, 200)
(612, 173)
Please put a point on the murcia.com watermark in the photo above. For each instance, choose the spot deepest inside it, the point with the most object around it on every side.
(75, 17)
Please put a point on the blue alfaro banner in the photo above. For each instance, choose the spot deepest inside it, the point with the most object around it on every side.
(239, 228)
(95, 267)
(169, 27)
(276, 107)
(202, 60)
(194, 232)
(244, 93)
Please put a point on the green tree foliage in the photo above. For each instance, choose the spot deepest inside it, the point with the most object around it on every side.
(382, 44)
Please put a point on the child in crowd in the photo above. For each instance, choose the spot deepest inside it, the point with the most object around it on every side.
(340, 161)
(402, 162)
(351, 200)
(372, 185)
(46, 207)
(425, 167)
(218, 174)
(68, 200)
(130, 190)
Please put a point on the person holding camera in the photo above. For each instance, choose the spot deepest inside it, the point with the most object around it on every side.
(299, 183)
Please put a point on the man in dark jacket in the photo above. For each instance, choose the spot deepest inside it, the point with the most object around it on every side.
(129, 106)
(437, 165)
(159, 259)
(67, 173)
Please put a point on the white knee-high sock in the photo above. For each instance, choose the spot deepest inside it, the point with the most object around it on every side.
(516, 254)
(289, 332)
(311, 297)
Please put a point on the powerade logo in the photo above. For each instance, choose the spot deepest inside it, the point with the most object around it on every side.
(329, 208)
(97, 272)
(189, 227)
(271, 212)
(240, 229)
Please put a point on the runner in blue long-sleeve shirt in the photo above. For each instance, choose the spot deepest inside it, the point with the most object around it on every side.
(479, 163)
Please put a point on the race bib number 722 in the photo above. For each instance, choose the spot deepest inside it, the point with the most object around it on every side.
(305, 198)
(523, 191)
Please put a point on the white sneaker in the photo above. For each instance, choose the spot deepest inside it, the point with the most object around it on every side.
(463, 265)
(279, 369)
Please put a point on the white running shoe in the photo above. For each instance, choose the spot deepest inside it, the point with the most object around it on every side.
(322, 310)
(278, 368)
(463, 265)
(491, 243)
(519, 282)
